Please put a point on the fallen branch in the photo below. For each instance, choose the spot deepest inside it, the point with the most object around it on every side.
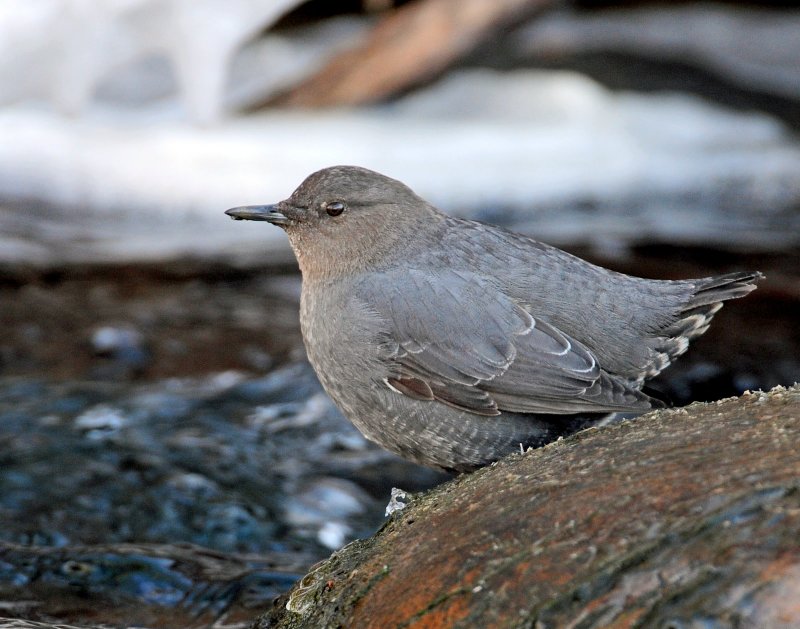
(411, 45)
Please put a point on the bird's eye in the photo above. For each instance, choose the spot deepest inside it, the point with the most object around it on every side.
(334, 208)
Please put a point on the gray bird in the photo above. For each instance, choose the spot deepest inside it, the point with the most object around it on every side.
(452, 342)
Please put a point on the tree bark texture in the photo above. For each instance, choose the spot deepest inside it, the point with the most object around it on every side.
(675, 519)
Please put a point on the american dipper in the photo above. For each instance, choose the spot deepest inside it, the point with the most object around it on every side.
(453, 343)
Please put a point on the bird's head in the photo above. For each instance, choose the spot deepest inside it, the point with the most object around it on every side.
(343, 218)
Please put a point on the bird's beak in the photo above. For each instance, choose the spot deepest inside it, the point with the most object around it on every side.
(269, 213)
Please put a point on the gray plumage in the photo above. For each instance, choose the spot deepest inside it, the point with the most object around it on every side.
(452, 342)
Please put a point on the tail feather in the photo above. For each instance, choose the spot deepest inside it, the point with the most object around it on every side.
(709, 294)
(713, 290)
(695, 316)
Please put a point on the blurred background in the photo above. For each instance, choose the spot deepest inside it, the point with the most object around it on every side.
(167, 457)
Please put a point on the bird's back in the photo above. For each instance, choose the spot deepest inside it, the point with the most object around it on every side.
(634, 326)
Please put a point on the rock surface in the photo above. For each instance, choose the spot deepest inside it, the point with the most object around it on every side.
(680, 517)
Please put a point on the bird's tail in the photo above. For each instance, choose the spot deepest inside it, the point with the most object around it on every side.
(714, 290)
(696, 314)
(710, 292)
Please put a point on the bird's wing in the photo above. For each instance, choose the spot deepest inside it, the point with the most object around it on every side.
(453, 337)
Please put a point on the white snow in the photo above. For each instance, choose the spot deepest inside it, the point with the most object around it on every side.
(63, 49)
(128, 177)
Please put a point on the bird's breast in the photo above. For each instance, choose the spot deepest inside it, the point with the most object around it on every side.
(340, 335)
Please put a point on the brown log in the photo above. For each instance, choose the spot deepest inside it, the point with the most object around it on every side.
(679, 517)
(412, 44)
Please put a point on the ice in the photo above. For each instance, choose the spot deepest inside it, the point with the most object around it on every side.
(397, 501)
(74, 45)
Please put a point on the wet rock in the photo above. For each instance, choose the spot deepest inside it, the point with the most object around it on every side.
(124, 349)
(325, 507)
(110, 340)
(678, 518)
(256, 358)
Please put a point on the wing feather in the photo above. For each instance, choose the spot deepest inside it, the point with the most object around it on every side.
(455, 338)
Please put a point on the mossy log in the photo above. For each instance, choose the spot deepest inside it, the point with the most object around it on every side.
(679, 518)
